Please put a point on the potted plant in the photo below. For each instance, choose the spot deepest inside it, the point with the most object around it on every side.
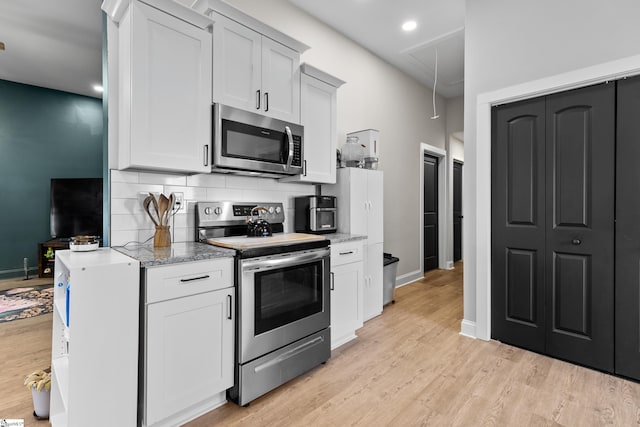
(39, 382)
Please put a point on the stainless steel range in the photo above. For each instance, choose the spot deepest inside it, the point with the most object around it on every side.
(283, 290)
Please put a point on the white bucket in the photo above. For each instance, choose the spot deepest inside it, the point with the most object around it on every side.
(41, 401)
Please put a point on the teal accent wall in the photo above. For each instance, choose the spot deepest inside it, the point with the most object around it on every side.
(44, 134)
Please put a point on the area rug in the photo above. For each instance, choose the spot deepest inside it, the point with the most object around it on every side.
(25, 302)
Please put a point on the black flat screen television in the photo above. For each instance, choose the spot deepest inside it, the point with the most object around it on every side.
(76, 207)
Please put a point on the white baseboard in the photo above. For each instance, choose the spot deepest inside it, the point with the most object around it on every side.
(468, 329)
(407, 278)
(450, 265)
(18, 273)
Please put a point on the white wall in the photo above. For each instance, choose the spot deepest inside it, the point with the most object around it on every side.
(377, 96)
(455, 115)
(456, 149)
(511, 43)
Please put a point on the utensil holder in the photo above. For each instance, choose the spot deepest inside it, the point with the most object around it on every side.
(162, 238)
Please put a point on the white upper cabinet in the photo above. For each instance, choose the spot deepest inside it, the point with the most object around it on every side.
(318, 116)
(253, 72)
(237, 73)
(164, 86)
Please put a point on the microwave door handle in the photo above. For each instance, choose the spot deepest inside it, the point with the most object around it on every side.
(287, 129)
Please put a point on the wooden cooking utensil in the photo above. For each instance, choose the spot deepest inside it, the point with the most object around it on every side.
(163, 204)
(146, 204)
(155, 206)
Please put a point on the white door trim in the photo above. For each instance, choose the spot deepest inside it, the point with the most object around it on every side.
(573, 79)
(443, 244)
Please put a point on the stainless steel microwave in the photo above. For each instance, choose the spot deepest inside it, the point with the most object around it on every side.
(253, 144)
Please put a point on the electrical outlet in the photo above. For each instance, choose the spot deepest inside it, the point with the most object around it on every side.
(179, 204)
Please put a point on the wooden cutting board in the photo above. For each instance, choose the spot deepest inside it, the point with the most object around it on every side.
(244, 242)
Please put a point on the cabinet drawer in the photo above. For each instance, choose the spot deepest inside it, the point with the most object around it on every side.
(344, 253)
(179, 280)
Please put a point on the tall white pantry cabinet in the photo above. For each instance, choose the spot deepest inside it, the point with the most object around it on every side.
(94, 352)
(359, 195)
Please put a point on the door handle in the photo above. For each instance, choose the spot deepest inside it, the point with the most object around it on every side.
(576, 242)
(206, 155)
(287, 130)
(258, 99)
(333, 281)
(229, 301)
(266, 101)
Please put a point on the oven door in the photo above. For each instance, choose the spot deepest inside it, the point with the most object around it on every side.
(282, 299)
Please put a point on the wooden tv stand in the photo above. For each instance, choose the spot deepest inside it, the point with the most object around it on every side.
(46, 263)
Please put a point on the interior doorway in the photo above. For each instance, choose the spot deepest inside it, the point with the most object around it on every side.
(457, 210)
(430, 213)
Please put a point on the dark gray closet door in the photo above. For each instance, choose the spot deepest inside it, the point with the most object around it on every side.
(580, 170)
(430, 213)
(627, 301)
(518, 224)
(457, 211)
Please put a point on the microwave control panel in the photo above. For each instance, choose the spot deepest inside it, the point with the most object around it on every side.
(297, 151)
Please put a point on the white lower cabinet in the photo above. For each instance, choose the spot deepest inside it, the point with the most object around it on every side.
(346, 291)
(94, 352)
(373, 286)
(189, 340)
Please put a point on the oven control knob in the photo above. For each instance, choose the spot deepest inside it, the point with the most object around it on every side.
(217, 210)
(278, 209)
(207, 211)
(271, 209)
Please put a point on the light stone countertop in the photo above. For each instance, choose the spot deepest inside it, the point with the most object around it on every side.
(343, 237)
(176, 253)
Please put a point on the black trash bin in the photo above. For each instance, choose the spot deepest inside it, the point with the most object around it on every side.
(389, 272)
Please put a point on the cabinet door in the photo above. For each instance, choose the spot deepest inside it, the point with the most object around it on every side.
(375, 212)
(280, 81)
(627, 295)
(359, 201)
(189, 355)
(237, 65)
(580, 187)
(518, 224)
(318, 116)
(346, 302)
(373, 295)
(169, 67)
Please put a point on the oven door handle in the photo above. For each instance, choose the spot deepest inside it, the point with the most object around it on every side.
(264, 264)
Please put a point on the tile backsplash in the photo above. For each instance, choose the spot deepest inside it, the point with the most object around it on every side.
(130, 223)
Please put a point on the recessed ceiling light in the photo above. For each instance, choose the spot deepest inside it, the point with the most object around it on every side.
(98, 88)
(1, 46)
(409, 26)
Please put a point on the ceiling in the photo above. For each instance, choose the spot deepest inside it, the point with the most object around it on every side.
(57, 44)
(54, 44)
(376, 25)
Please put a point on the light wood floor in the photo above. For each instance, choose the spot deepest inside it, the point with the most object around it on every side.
(25, 346)
(408, 367)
